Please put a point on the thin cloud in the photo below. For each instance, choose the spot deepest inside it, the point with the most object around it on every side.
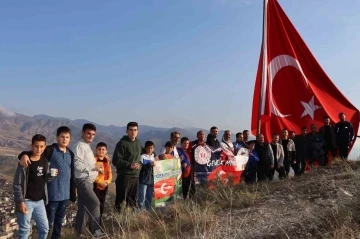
(248, 2)
(6, 112)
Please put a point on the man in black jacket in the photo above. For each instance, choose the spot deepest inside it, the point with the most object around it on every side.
(328, 133)
(301, 150)
(246, 135)
(266, 158)
(315, 145)
(211, 138)
(344, 132)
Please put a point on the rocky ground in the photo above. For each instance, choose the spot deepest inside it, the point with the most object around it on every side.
(321, 204)
(324, 203)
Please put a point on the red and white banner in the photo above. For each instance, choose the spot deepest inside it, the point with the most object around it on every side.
(212, 164)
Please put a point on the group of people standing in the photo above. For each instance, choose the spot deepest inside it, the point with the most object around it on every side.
(49, 176)
(288, 150)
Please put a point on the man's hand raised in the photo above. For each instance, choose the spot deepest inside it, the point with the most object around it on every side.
(107, 158)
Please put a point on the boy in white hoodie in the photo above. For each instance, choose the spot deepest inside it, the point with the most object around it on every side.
(146, 177)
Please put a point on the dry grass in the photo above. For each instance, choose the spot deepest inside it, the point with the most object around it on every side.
(196, 218)
(324, 203)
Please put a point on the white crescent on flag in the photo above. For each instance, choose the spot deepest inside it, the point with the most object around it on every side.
(162, 188)
(274, 67)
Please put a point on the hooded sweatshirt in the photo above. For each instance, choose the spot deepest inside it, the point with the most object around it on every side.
(127, 152)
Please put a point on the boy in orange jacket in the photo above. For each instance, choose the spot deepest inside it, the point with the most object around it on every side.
(105, 175)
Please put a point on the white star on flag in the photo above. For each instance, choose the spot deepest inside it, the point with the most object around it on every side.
(309, 108)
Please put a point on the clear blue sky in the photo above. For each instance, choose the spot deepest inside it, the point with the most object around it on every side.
(163, 63)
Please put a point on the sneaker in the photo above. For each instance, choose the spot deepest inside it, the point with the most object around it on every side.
(99, 234)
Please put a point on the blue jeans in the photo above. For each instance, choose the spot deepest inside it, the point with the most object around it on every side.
(56, 212)
(36, 210)
(145, 196)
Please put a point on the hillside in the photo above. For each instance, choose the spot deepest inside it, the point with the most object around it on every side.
(16, 131)
(324, 203)
(8, 165)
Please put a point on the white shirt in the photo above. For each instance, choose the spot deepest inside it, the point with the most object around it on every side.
(146, 159)
(84, 162)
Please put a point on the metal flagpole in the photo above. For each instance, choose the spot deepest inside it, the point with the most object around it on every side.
(264, 55)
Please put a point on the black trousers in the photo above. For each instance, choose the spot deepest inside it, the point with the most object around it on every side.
(250, 173)
(328, 149)
(317, 156)
(101, 194)
(287, 165)
(301, 163)
(188, 188)
(343, 149)
(280, 170)
(263, 171)
(127, 188)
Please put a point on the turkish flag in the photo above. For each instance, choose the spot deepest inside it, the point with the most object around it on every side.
(291, 89)
(165, 188)
(226, 174)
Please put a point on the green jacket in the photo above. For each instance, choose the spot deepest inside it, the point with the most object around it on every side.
(127, 152)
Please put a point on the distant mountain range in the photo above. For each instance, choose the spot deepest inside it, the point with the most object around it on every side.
(16, 131)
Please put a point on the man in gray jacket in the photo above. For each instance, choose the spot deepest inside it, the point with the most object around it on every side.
(86, 171)
(278, 152)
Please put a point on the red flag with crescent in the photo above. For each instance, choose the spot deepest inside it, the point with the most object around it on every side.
(164, 188)
(291, 89)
